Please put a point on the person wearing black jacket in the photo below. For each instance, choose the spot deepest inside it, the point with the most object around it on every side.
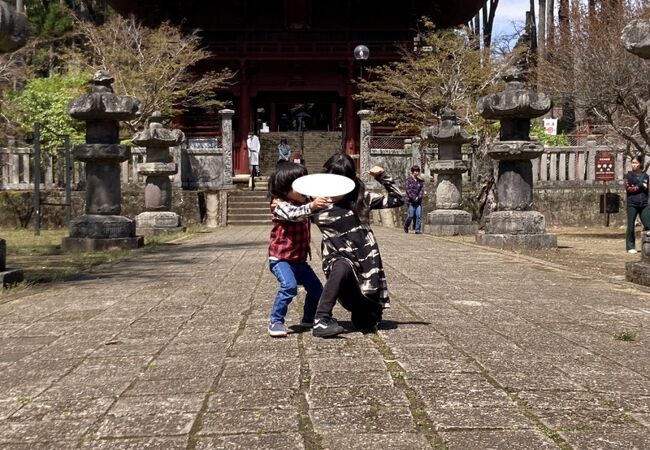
(636, 187)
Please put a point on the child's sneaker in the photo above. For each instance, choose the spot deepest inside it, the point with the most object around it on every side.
(327, 327)
(277, 329)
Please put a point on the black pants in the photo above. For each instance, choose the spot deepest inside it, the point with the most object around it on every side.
(342, 285)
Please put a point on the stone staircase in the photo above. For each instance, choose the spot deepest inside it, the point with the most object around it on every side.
(246, 207)
(318, 147)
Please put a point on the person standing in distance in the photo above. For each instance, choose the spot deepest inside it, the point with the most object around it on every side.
(636, 187)
(253, 146)
(414, 196)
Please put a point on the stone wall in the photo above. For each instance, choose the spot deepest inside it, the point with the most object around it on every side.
(15, 206)
(575, 206)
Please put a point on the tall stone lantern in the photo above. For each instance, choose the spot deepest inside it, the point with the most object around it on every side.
(158, 217)
(636, 40)
(448, 218)
(102, 226)
(515, 224)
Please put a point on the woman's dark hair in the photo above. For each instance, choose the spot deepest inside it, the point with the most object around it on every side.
(283, 176)
(343, 164)
(639, 157)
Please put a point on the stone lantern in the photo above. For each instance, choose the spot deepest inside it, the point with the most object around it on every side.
(636, 40)
(448, 218)
(102, 226)
(515, 224)
(158, 217)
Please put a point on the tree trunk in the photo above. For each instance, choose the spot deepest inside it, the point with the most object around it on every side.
(488, 21)
(550, 23)
(568, 122)
(541, 29)
(531, 23)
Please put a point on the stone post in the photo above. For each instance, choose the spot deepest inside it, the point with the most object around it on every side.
(13, 35)
(416, 155)
(226, 144)
(158, 217)
(7, 276)
(515, 224)
(364, 151)
(102, 226)
(448, 218)
(636, 40)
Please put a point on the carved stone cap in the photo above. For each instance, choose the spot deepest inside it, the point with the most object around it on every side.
(450, 131)
(103, 103)
(451, 166)
(516, 101)
(636, 38)
(515, 150)
(157, 135)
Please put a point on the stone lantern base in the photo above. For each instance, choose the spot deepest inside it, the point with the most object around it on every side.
(154, 223)
(8, 276)
(92, 232)
(449, 222)
(639, 272)
(517, 229)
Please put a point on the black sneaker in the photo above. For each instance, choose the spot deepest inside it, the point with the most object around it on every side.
(406, 230)
(327, 328)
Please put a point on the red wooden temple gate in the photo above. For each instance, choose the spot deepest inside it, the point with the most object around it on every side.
(294, 56)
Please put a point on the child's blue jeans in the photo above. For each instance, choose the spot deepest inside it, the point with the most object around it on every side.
(290, 275)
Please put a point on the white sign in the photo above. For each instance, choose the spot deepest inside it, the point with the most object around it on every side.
(550, 126)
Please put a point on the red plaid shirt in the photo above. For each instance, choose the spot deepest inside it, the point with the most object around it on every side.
(290, 235)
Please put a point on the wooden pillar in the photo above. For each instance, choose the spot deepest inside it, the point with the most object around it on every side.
(244, 125)
(273, 119)
(350, 119)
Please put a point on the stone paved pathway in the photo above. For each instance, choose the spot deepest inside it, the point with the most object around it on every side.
(481, 349)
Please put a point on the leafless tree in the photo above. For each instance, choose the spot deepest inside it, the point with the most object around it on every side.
(590, 69)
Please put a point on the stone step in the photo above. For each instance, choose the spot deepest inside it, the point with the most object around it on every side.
(244, 216)
(250, 222)
(238, 209)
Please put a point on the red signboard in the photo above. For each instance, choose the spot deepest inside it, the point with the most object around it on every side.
(605, 162)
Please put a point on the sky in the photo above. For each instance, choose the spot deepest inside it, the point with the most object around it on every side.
(510, 15)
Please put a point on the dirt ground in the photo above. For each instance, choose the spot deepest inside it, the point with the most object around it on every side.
(595, 251)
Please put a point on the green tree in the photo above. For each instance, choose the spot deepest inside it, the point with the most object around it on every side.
(412, 93)
(155, 65)
(45, 100)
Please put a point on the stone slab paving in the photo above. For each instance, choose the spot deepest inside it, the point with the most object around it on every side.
(481, 349)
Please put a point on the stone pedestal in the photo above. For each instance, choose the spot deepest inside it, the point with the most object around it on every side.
(448, 218)
(515, 224)
(7, 276)
(102, 226)
(212, 209)
(158, 219)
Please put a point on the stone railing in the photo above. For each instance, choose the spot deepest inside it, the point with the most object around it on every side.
(556, 167)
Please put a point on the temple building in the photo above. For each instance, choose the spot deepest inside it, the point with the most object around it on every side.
(293, 59)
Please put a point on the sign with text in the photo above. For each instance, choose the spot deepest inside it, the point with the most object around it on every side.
(550, 126)
(605, 163)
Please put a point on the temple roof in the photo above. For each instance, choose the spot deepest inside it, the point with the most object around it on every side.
(443, 12)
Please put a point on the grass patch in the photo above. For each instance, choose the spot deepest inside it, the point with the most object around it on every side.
(625, 336)
(43, 260)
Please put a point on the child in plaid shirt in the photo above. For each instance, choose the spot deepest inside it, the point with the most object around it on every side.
(289, 247)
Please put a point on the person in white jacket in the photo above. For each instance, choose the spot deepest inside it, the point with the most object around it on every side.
(253, 145)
